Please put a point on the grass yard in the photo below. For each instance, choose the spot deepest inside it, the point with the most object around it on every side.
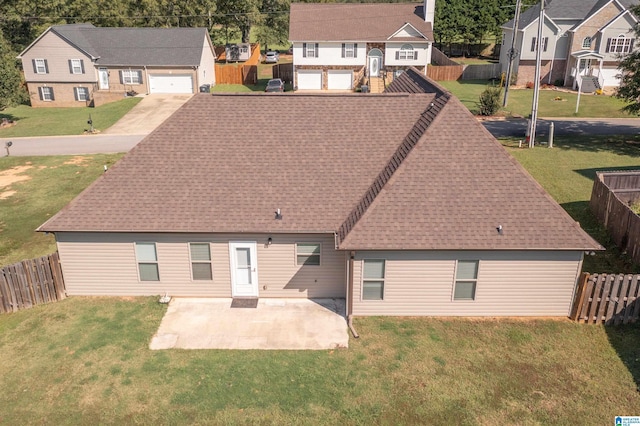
(32, 189)
(265, 73)
(519, 102)
(567, 172)
(86, 361)
(62, 121)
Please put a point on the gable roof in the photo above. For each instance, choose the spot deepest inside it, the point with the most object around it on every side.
(355, 21)
(564, 10)
(134, 46)
(410, 169)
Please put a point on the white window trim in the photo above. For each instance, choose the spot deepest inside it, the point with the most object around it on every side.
(623, 42)
(84, 90)
(455, 280)
(127, 77)
(408, 51)
(534, 44)
(586, 43)
(77, 62)
(383, 279)
(43, 62)
(311, 50)
(42, 92)
(191, 261)
(349, 50)
(138, 262)
(295, 258)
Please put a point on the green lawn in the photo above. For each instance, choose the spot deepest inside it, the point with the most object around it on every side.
(567, 172)
(520, 100)
(86, 361)
(51, 183)
(63, 121)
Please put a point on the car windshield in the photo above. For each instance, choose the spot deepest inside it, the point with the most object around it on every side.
(271, 53)
(275, 83)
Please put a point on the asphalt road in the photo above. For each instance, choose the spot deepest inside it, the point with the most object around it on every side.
(68, 145)
(103, 143)
(565, 126)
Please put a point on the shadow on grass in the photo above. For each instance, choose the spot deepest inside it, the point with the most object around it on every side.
(625, 340)
(9, 117)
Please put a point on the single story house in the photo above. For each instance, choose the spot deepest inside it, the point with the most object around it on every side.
(582, 40)
(80, 65)
(337, 46)
(401, 203)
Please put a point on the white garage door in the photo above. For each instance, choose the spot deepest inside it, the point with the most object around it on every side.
(340, 80)
(310, 80)
(610, 78)
(174, 83)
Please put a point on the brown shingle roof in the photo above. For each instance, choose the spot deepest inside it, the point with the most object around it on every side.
(225, 163)
(354, 21)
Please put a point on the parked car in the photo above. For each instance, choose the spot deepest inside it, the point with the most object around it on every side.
(275, 85)
(272, 57)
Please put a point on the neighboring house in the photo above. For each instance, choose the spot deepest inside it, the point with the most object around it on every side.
(402, 203)
(339, 46)
(239, 52)
(79, 65)
(581, 38)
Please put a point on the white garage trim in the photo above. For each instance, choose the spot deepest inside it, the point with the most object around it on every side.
(310, 80)
(170, 83)
(340, 80)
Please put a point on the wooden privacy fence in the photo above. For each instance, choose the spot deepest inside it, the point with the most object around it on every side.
(445, 73)
(31, 282)
(284, 72)
(610, 198)
(611, 299)
(481, 71)
(245, 73)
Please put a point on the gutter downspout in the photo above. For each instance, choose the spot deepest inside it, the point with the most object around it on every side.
(350, 295)
(146, 73)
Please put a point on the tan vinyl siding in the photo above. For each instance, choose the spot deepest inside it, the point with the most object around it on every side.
(509, 284)
(206, 70)
(105, 264)
(57, 52)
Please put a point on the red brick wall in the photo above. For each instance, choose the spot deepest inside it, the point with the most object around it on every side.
(527, 71)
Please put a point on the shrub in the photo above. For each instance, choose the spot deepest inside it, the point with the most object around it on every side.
(490, 100)
(529, 85)
(558, 83)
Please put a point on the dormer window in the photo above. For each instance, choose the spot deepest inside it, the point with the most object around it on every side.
(586, 43)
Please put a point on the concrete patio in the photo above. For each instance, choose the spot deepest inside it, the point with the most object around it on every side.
(293, 324)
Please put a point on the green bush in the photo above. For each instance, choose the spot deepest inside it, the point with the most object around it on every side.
(490, 100)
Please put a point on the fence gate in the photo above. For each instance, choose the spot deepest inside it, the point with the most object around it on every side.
(611, 299)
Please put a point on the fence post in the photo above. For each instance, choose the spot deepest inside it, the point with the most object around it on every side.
(579, 298)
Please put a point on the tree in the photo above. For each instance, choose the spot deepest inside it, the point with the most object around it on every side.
(239, 14)
(11, 91)
(629, 89)
(274, 26)
(490, 100)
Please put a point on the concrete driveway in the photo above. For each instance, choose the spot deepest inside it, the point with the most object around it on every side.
(148, 114)
(295, 324)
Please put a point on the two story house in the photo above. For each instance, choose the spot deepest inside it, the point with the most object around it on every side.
(583, 40)
(340, 46)
(80, 65)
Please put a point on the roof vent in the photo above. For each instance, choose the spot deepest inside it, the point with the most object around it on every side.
(499, 229)
(278, 215)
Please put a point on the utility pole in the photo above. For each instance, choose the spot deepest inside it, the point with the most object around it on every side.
(536, 88)
(513, 54)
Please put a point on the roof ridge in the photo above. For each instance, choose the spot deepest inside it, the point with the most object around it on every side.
(417, 131)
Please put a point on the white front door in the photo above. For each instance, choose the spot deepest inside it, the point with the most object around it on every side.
(244, 269)
(103, 73)
(374, 66)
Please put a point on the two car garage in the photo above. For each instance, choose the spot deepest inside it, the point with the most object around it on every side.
(170, 83)
(336, 79)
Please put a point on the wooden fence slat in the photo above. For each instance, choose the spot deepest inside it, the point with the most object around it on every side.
(602, 299)
(613, 298)
(631, 299)
(622, 299)
(48, 288)
(636, 308)
(5, 294)
(588, 296)
(54, 261)
(579, 297)
(597, 290)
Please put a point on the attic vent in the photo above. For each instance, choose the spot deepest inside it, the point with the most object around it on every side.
(278, 215)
